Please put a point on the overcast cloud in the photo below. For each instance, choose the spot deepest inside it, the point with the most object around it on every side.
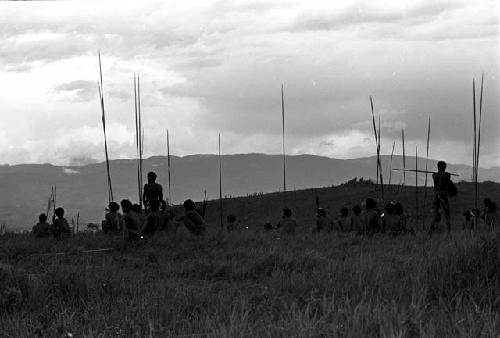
(217, 66)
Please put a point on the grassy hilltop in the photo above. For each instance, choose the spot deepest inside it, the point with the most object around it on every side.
(252, 284)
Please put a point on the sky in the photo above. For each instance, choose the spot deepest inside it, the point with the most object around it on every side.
(210, 67)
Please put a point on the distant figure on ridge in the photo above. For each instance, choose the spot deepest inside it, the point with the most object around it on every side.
(323, 222)
(193, 220)
(233, 224)
(152, 190)
(60, 227)
(113, 220)
(42, 228)
(288, 224)
(267, 225)
(442, 188)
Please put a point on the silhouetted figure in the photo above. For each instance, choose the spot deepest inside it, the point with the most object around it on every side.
(166, 219)
(490, 214)
(193, 220)
(152, 222)
(344, 222)
(442, 186)
(391, 222)
(60, 227)
(233, 223)
(152, 190)
(371, 217)
(42, 228)
(288, 224)
(131, 222)
(267, 225)
(113, 220)
(323, 222)
(468, 220)
(140, 212)
(357, 221)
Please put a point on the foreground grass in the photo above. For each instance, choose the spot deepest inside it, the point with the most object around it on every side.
(250, 285)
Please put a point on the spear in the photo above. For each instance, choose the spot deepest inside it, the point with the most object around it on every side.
(427, 160)
(283, 137)
(380, 160)
(220, 189)
(390, 165)
(137, 140)
(416, 183)
(101, 99)
(168, 164)
(422, 171)
(141, 136)
(478, 139)
(474, 152)
(404, 156)
(375, 133)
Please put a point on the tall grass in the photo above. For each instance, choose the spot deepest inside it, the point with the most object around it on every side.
(251, 284)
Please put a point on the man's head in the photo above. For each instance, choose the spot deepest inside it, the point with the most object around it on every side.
(42, 218)
(441, 166)
(321, 212)
(356, 210)
(113, 207)
(370, 203)
(126, 205)
(398, 208)
(231, 218)
(136, 208)
(151, 176)
(189, 205)
(287, 212)
(390, 207)
(59, 212)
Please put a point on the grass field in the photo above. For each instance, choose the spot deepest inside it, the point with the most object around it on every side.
(256, 284)
(252, 285)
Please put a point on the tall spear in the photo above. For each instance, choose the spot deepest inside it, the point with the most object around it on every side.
(427, 161)
(101, 99)
(168, 164)
(478, 141)
(416, 183)
(375, 133)
(404, 156)
(220, 189)
(283, 134)
(390, 164)
(474, 151)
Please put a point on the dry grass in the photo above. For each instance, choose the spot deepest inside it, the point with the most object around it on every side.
(251, 284)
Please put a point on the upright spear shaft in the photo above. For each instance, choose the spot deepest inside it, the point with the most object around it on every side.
(404, 156)
(101, 99)
(220, 190)
(474, 152)
(427, 161)
(283, 140)
(168, 164)
(416, 183)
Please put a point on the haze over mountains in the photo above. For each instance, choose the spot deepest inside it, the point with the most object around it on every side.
(26, 188)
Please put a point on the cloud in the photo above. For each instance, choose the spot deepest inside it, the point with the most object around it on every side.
(83, 90)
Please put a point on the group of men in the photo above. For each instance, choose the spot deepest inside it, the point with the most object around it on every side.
(366, 219)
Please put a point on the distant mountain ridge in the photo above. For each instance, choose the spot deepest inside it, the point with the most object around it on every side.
(83, 189)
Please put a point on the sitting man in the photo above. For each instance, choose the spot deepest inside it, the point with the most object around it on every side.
(42, 228)
(193, 220)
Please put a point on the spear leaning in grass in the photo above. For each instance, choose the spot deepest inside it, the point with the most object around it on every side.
(404, 156)
(416, 185)
(101, 99)
(478, 143)
(377, 141)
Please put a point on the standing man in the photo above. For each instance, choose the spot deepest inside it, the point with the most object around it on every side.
(152, 190)
(442, 187)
